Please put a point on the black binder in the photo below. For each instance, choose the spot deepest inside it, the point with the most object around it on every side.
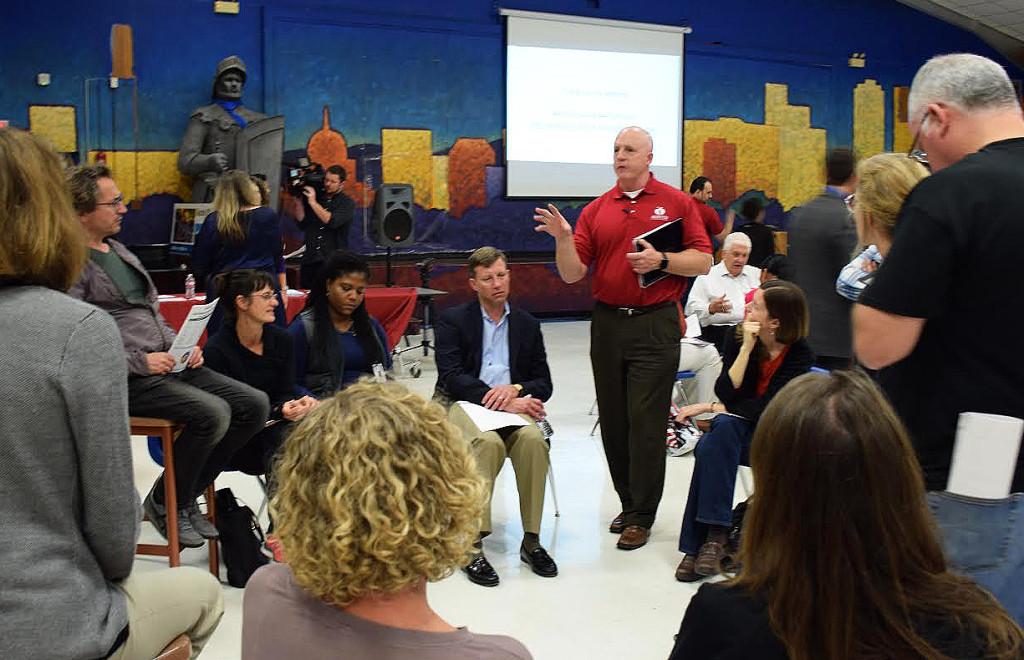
(665, 238)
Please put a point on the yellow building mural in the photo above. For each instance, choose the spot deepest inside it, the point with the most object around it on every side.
(406, 157)
(440, 182)
(140, 174)
(782, 157)
(901, 135)
(55, 123)
(868, 119)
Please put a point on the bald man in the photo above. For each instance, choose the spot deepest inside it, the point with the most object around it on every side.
(634, 332)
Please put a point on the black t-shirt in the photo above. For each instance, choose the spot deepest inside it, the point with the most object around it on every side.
(322, 240)
(953, 262)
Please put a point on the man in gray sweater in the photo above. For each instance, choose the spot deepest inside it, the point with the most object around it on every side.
(220, 414)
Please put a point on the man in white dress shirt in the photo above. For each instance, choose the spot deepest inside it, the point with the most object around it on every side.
(718, 297)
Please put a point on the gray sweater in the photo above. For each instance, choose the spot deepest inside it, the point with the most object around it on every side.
(69, 512)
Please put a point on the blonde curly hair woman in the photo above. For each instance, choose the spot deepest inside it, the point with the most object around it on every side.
(377, 495)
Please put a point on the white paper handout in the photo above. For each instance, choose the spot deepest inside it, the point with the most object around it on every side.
(490, 420)
(985, 455)
(189, 333)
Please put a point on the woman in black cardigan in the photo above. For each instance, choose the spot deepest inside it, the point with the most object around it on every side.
(250, 348)
(766, 353)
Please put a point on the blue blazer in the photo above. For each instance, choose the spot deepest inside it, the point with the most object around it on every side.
(458, 337)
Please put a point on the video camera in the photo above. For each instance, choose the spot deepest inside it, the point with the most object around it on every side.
(305, 174)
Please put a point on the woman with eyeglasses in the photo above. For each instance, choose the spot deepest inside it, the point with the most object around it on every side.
(883, 183)
(250, 348)
(239, 234)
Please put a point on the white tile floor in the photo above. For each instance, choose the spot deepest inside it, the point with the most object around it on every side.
(605, 603)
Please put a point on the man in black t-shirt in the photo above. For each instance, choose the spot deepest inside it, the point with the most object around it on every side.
(326, 219)
(953, 261)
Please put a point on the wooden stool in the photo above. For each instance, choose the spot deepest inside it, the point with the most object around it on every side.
(180, 648)
(168, 430)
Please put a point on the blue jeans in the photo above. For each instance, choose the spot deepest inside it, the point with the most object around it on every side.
(719, 455)
(984, 540)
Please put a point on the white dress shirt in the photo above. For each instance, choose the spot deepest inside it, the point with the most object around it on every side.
(717, 282)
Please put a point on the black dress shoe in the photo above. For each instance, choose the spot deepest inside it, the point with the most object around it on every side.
(540, 561)
(618, 524)
(479, 571)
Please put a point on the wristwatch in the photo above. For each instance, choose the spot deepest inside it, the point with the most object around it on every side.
(519, 388)
(664, 261)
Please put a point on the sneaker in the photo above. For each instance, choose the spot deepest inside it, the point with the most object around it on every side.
(681, 438)
(274, 547)
(156, 513)
(201, 523)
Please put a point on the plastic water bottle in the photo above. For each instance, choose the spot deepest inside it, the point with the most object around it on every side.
(190, 287)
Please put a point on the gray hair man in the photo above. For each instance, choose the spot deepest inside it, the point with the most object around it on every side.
(957, 238)
(718, 298)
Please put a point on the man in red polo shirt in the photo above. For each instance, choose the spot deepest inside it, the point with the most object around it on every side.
(702, 190)
(634, 332)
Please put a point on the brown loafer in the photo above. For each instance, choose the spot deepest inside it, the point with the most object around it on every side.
(709, 559)
(685, 571)
(618, 524)
(633, 537)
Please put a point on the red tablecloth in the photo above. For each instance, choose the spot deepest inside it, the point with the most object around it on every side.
(393, 307)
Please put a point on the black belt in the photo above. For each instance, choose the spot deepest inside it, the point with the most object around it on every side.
(636, 311)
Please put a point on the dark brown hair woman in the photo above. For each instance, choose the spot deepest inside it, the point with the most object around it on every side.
(840, 554)
(767, 351)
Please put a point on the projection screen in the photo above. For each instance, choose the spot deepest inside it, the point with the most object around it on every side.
(571, 84)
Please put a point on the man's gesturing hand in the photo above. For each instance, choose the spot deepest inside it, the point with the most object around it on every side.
(552, 222)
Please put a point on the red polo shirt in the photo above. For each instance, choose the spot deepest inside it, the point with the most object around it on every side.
(605, 232)
(712, 223)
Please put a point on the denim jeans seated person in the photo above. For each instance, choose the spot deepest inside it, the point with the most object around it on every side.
(771, 352)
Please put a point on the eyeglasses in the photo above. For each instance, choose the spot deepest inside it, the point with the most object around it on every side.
(851, 201)
(918, 154)
(116, 202)
(266, 296)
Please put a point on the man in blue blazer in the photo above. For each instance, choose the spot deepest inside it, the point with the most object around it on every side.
(492, 354)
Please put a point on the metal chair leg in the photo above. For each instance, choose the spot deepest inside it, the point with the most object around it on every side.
(554, 493)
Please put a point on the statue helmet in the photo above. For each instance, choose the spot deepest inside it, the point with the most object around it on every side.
(229, 63)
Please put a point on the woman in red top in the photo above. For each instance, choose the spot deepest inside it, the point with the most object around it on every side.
(768, 351)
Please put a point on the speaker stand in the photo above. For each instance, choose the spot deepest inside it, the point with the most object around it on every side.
(388, 281)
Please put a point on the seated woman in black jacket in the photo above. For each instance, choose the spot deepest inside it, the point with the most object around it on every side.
(336, 340)
(839, 550)
(250, 348)
(764, 354)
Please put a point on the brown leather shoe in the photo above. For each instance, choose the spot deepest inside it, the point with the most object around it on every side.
(685, 571)
(633, 537)
(709, 559)
(618, 523)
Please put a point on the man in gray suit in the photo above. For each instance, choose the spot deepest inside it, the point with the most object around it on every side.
(822, 236)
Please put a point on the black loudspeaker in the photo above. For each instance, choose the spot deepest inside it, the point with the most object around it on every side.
(392, 215)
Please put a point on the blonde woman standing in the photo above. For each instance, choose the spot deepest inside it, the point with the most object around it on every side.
(883, 183)
(239, 234)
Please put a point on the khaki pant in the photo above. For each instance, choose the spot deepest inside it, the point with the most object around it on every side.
(168, 603)
(529, 453)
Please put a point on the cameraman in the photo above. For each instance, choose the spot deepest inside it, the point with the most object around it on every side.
(326, 215)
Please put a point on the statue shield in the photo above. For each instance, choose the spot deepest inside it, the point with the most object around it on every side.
(259, 148)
